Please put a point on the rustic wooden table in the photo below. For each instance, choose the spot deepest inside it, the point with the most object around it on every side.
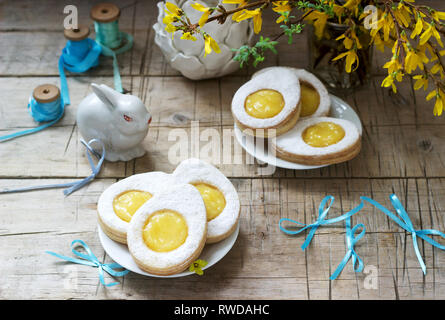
(403, 152)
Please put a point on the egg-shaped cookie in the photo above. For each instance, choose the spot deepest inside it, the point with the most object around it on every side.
(268, 104)
(169, 232)
(315, 100)
(319, 141)
(118, 203)
(219, 195)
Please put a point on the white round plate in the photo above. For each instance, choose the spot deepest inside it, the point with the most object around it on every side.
(212, 253)
(257, 147)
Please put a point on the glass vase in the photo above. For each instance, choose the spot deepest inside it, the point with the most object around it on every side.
(323, 50)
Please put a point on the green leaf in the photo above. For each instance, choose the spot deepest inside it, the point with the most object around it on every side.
(245, 53)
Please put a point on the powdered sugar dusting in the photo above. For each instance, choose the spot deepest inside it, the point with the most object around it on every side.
(184, 199)
(152, 182)
(195, 170)
(305, 76)
(292, 141)
(282, 80)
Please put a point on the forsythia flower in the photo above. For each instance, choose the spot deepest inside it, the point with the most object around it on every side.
(403, 14)
(188, 36)
(388, 25)
(389, 82)
(205, 15)
(421, 81)
(173, 9)
(376, 26)
(319, 19)
(438, 107)
(378, 42)
(437, 15)
(418, 29)
(436, 68)
(351, 4)
(255, 14)
(348, 42)
(393, 65)
(440, 101)
(281, 6)
(413, 61)
(173, 14)
(281, 18)
(170, 28)
(426, 35)
(197, 266)
(429, 32)
(351, 58)
(240, 4)
(210, 44)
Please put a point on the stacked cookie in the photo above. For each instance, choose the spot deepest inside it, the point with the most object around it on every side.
(166, 219)
(292, 106)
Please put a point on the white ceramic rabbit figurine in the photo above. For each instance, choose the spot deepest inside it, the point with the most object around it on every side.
(119, 120)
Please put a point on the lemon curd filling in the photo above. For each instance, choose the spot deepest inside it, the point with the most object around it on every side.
(264, 104)
(165, 231)
(310, 100)
(214, 200)
(127, 203)
(323, 134)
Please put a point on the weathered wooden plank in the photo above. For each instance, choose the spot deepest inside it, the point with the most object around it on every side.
(263, 256)
(17, 91)
(25, 19)
(176, 101)
(25, 15)
(386, 152)
(37, 54)
(402, 144)
(33, 40)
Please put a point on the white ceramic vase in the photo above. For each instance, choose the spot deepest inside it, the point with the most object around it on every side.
(187, 56)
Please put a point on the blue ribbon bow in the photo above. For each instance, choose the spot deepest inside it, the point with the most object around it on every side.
(405, 223)
(351, 240)
(322, 213)
(91, 260)
(76, 185)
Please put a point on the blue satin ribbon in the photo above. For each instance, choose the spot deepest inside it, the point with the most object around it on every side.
(322, 213)
(78, 57)
(404, 222)
(91, 260)
(113, 42)
(351, 240)
(76, 185)
(50, 112)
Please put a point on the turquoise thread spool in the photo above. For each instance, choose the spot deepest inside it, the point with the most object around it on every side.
(48, 106)
(79, 55)
(112, 41)
(45, 105)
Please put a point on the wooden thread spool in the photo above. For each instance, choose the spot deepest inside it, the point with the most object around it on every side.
(46, 93)
(77, 34)
(106, 24)
(109, 37)
(105, 12)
